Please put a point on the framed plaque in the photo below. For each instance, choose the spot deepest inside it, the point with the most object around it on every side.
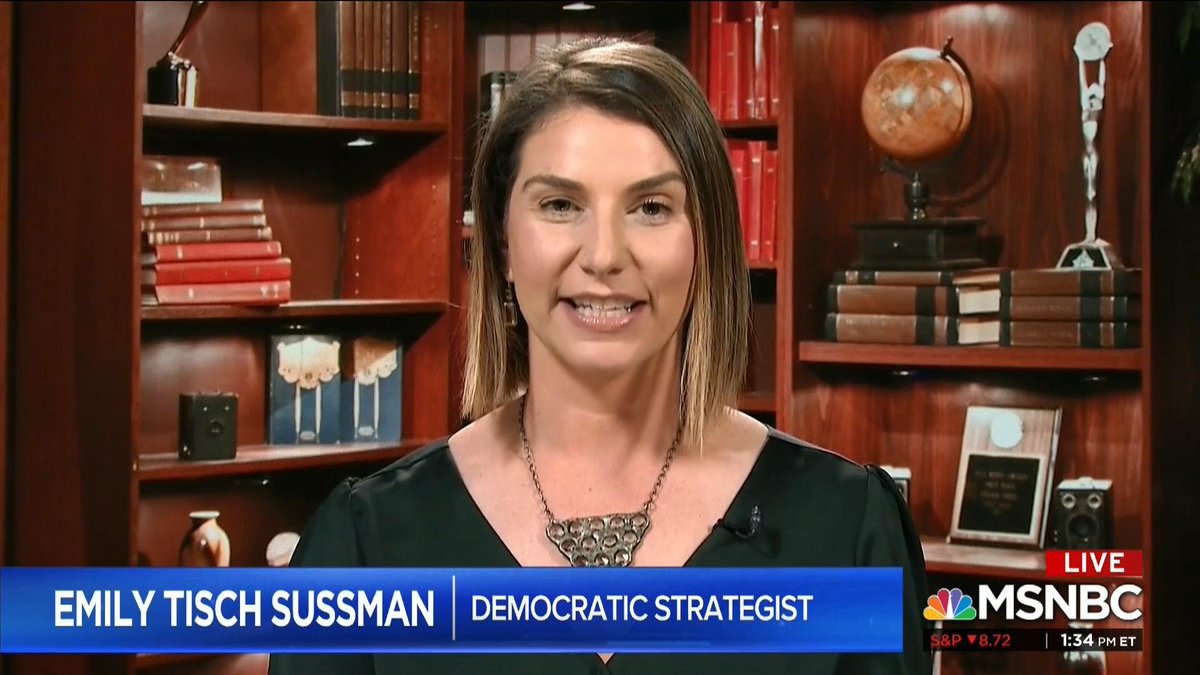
(1005, 475)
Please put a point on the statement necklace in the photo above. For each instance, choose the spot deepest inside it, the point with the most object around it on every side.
(597, 541)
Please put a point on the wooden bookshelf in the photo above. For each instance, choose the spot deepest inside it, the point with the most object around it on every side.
(959, 560)
(757, 402)
(160, 468)
(300, 310)
(980, 357)
(191, 120)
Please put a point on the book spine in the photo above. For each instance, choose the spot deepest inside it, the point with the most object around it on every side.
(219, 251)
(761, 30)
(162, 237)
(716, 68)
(746, 63)
(1094, 334)
(348, 81)
(398, 78)
(385, 61)
(218, 271)
(1071, 308)
(739, 157)
(359, 93)
(1071, 282)
(888, 329)
(730, 74)
(241, 293)
(773, 63)
(414, 61)
(754, 193)
(229, 207)
(240, 220)
(371, 58)
(329, 85)
(770, 204)
(893, 300)
(892, 278)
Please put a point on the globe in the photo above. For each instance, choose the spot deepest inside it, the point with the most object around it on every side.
(917, 106)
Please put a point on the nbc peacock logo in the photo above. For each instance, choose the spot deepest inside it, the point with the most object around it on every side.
(950, 605)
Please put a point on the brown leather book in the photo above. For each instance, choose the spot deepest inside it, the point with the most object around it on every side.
(1071, 308)
(1071, 282)
(1070, 334)
(918, 300)
(980, 276)
(201, 236)
(911, 330)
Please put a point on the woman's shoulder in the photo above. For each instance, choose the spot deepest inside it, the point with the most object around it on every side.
(807, 462)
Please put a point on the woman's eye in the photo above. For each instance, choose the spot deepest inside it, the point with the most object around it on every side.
(655, 210)
(557, 207)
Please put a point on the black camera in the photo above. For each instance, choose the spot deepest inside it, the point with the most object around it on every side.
(207, 426)
(1083, 515)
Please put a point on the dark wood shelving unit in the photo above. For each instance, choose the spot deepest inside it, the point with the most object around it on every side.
(147, 661)
(980, 356)
(757, 402)
(764, 265)
(946, 559)
(160, 468)
(750, 125)
(175, 118)
(318, 309)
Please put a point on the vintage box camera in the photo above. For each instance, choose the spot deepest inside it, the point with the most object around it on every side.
(902, 475)
(207, 426)
(1083, 514)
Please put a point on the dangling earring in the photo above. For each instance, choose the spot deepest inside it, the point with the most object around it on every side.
(510, 307)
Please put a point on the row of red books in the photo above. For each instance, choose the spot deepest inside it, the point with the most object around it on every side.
(743, 60)
(756, 175)
(213, 253)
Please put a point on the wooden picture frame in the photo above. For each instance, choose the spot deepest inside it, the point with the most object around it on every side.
(1005, 474)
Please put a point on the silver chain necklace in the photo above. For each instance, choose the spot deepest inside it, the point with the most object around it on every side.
(597, 541)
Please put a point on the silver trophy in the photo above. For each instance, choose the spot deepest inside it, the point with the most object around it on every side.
(1091, 44)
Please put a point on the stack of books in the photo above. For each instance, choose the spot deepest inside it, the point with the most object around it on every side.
(212, 253)
(1071, 308)
(743, 56)
(918, 307)
(755, 172)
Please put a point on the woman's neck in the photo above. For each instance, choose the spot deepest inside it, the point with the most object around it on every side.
(606, 421)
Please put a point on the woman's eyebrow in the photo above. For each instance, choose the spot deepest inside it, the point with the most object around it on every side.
(558, 182)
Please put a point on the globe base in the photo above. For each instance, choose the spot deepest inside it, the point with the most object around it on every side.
(1090, 255)
(919, 244)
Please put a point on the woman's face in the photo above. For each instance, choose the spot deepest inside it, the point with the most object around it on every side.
(600, 246)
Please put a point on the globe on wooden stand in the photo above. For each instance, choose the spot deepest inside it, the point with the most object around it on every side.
(917, 107)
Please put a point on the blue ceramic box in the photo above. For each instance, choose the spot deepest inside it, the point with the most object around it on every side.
(304, 390)
(372, 369)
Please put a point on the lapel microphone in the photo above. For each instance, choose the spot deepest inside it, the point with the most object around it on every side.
(747, 531)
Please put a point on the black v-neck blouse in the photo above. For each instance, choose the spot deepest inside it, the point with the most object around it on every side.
(817, 509)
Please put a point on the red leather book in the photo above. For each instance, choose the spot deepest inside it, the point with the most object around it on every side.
(773, 63)
(204, 222)
(755, 195)
(731, 75)
(182, 210)
(760, 61)
(221, 251)
(218, 271)
(739, 156)
(746, 65)
(716, 19)
(236, 293)
(770, 209)
(162, 237)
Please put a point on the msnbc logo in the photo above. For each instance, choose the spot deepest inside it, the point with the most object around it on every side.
(949, 605)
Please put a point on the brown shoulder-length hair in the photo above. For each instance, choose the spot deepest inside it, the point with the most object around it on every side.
(643, 84)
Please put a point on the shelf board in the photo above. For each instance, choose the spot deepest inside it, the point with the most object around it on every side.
(980, 356)
(763, 264)
(982, 561)
(167, 467)
(319, 309)
(175, 118)
(750, 125)
(757, 401)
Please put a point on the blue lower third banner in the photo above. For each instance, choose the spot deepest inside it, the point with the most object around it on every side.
(238, 610)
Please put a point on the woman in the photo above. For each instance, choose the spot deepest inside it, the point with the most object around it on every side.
(609, 322)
